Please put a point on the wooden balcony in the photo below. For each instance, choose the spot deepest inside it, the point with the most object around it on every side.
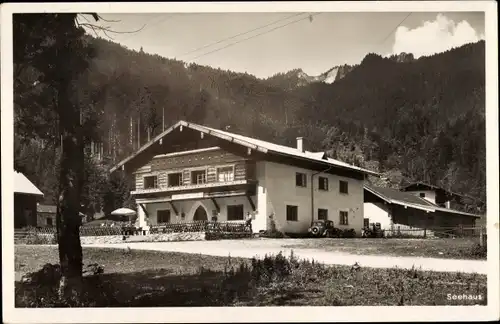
(221, 176)
(204, 187)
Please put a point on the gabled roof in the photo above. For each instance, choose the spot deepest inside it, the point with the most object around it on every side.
(23, 185)
(414, 186)
(393, 196)
(253, 143)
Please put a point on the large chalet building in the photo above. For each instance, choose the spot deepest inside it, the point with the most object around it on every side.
(193, 173)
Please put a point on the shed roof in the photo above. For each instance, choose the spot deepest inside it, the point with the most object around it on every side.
(23, 185)
(393, 196)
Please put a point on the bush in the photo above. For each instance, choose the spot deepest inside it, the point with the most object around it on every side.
(270, 269)
(476, 252)
(348, 233)
(298, 235)
(226, 235)
(40, 289)
(41, 239)
(272, 234)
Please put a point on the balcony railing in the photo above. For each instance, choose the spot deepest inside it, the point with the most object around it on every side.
(191, 187)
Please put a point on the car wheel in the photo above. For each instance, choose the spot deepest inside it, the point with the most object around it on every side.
(315, 231)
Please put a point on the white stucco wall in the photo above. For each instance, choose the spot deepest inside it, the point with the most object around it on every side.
(276, 189)
(378, 213)
(281, 190)
(189, 207)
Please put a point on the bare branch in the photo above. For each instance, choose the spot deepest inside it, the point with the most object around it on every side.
(107, 20)
(105, 33)
(107, 29)
(94, 15)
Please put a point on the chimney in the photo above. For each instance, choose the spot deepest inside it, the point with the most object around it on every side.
(300, 144)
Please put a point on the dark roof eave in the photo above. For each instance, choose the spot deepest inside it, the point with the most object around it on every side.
(146, 146)
(29, 194)
(232, 140)
(329, 165)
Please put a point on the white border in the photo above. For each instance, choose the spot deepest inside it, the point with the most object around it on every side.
(240, 314)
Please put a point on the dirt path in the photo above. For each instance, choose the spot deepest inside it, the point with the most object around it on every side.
(259, 248)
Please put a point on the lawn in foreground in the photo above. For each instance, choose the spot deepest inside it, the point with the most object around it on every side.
(147, 279)
(459, 248)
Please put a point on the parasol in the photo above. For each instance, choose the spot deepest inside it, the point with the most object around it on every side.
(123, 212)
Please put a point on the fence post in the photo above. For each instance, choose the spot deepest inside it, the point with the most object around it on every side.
(482, 237)
(425, 232)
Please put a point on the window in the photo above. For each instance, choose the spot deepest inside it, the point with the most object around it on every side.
(150, 182)
(175, 179)
(422, 194)
(292, 213)
(49, 221)
(343, 187)
(344, 218)
(199, 177)
(366, 222)
(323, 183)
(300, 179)
(234, 212)
(225, 174)
(163, 216)
(322, 214)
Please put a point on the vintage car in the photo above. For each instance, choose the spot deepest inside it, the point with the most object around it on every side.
(324, 228)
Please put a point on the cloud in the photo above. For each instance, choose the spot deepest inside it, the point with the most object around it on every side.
(433, 37)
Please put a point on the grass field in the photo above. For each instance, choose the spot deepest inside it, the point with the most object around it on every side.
(459, 248)
(147, 279)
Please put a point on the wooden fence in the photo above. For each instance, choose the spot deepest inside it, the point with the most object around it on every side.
(49, 233)
(400, 230)
(23, 233)
(202, 226)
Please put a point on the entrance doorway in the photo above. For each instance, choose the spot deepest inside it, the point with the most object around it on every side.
(200, 214)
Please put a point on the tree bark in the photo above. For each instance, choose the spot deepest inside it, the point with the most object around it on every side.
(70, 187)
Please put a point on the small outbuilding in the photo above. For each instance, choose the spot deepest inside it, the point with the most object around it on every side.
(395, 209)
(46, 215)
(26, 195)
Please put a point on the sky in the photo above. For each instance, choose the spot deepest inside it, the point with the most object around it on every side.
(314, 42)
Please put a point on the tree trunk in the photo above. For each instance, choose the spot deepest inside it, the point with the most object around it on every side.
(70, 187)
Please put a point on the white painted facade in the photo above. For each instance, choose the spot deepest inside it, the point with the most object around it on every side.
(378, 213)
(276, 188)
(189, 207)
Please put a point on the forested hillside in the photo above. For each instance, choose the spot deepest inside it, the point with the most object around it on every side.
(411, 119)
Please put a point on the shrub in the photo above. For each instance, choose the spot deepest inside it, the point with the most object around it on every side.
(298, 235)
(271, 268)
(226, 235)
(348, 233)
(40, 289)
(476, 251)
(272, 234)
(41, 239)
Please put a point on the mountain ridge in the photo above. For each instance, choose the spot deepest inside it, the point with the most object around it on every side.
(420, 118)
